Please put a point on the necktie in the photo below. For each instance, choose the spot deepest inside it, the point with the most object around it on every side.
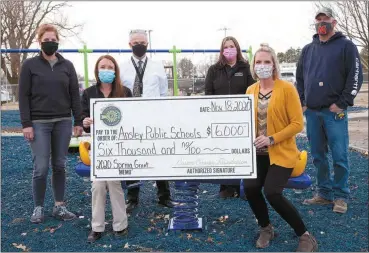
(137, 87)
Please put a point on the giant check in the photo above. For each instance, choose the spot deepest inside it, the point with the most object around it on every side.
(174, 138)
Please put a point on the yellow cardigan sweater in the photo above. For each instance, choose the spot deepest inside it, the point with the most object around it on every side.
(284, 121)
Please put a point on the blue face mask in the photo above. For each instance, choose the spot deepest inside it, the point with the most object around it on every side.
(106, 75)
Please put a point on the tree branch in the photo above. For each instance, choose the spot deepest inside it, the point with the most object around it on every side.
(20, 20)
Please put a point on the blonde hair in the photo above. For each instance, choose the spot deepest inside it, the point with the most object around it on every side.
(264, 47)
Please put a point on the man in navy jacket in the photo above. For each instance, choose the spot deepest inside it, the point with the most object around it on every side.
(329, 75)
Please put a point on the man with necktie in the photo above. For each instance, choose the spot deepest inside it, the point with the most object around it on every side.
(145, 78)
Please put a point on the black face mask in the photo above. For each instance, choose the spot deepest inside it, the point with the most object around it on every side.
(323, 28)
(139, 50)
(49, 47)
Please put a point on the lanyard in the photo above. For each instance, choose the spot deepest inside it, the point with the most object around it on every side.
(140, 75)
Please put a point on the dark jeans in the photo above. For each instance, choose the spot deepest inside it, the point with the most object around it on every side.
(325, 129)
(163, 191)
(50, 139)
(274, 178)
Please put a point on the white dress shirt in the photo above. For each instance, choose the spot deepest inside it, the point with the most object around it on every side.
(155, 81)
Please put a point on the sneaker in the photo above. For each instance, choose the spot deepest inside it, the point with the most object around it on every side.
(307, 243)
(266, 235)
(317, 200)
(61, 213)
(340, 206)
(38, 215)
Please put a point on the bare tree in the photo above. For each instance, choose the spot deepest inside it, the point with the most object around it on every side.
(203, 66)
(186, 68)
(19, 22)
(352, 18)
(364, 56)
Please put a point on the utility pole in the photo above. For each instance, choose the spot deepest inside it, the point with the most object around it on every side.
(225, 29)
(149, 31)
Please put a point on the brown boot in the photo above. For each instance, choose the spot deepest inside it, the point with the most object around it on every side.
(307, 243)
(340, 206)
(266, 235)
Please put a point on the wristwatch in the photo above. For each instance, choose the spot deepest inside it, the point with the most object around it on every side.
(271, 140)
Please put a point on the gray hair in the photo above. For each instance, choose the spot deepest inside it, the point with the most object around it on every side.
(137, 31)
(264, 47)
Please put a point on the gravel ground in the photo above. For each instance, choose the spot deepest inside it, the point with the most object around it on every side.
(334, 232)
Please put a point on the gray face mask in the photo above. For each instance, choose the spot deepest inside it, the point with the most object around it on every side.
(264, 71)
(323, 28)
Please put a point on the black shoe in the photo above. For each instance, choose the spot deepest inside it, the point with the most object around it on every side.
(226, 194)
(93, 236)
(131, 205)
(167, 202)
(229, 192)
(122, 232)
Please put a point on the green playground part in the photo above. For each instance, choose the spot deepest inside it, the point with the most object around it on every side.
(174, 51)
(74, 142)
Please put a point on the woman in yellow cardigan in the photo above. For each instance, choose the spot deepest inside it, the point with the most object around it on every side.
(279, 118)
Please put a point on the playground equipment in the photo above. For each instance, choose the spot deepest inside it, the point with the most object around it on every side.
(185, 214)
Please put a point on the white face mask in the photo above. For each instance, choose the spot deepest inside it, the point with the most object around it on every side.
(264, 71)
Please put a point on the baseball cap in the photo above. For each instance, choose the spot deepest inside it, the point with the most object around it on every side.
(326, 11)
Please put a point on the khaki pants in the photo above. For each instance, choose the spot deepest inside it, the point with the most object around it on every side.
(118, 205)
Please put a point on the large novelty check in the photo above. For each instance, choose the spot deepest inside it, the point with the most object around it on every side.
(174, 138)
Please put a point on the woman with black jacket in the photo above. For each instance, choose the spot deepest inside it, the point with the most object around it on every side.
(108, 85)
(229, 76)
(48, 94)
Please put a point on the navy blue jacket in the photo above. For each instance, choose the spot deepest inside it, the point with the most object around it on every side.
(329, 72)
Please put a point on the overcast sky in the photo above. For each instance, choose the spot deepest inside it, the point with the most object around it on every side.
(188, 25)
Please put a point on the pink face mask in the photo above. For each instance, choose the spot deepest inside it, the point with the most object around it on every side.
(230, 53)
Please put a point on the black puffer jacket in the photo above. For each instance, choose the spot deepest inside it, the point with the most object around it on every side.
(224, 80)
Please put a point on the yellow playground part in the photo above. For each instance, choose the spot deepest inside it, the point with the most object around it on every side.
(84, 148)
(300, 165)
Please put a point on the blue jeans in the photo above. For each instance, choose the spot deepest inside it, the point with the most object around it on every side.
(325, 129)
(50, 139)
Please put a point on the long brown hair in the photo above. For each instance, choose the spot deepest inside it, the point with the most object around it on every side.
(222, 60)
(117, 86)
